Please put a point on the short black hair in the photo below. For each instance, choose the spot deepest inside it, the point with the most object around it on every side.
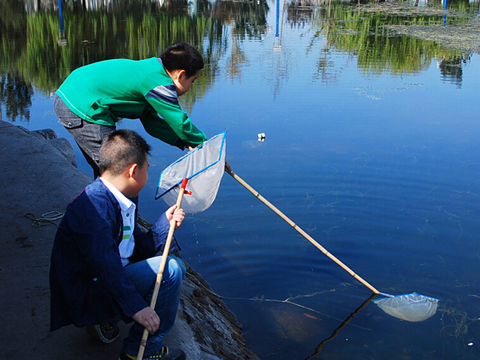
(182, 56)
(120, 149)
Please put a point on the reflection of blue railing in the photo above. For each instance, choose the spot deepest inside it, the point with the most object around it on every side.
(61, 39)
(445, 13)
(60, 16)
(276, 18)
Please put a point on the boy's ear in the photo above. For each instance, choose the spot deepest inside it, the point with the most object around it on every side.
(131, 170)
(181, 73)
(177, 74)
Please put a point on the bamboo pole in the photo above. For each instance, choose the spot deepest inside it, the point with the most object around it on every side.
(303, 233)
(166, 250)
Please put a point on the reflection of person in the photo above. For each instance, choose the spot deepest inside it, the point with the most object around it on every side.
(103, 266)
(94, 97)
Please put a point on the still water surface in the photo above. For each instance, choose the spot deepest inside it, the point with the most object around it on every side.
(376, 157)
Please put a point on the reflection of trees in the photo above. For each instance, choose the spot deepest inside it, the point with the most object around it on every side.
(451, 68)
(379, 52)
(249, 18)
(236, 59)
(300, 14)
(116, 6)
(12, 31)
(320, 16)
(16, 94)
(30, 45)
(364, 35)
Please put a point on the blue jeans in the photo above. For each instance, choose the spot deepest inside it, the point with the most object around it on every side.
(143, 275)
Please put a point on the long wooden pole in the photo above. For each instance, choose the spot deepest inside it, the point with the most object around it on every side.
(166, 250)
(304, 234)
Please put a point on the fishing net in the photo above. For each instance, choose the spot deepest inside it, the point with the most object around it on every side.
(203, 167)
(410, 307)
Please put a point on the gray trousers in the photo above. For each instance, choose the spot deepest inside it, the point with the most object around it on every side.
(88, 136)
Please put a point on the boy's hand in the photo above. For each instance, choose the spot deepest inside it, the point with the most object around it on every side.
(148, 318)
(175, 214)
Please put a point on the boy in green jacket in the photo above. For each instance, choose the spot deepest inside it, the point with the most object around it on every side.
(94, 97)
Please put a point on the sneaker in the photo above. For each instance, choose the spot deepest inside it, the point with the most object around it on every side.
(164, 354)
(106, 333)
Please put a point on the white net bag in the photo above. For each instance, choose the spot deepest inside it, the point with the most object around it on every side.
(410, 307)
(203, 167)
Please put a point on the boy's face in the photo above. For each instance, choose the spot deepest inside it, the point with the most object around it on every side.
(184, 83)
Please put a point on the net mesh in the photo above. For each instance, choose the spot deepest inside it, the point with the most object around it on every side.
(410, 307)
(204, 167)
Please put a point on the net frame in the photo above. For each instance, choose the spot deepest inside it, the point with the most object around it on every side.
(203, 167)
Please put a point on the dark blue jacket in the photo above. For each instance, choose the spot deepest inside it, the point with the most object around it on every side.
(87, 280)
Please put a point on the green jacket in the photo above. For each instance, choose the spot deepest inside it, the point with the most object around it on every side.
(106, 91)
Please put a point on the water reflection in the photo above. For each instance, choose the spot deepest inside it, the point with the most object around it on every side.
(16, 96)
(451, 69)
(89, 5)
(217, 29)
(335, 332)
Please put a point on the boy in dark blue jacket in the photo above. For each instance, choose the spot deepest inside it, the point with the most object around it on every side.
(104, 267)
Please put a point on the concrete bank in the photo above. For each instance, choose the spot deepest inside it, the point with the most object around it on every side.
(38, 176)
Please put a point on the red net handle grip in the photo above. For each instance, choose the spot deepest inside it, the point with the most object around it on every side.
(184, 185)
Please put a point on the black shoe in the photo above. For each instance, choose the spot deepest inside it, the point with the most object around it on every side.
(164, 354)
(106, 333)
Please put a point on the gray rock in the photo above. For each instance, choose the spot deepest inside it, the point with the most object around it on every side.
(65, 148)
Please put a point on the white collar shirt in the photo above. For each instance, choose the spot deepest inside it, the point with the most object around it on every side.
(127, 208)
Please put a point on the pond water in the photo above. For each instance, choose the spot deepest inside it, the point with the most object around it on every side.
(371, 147)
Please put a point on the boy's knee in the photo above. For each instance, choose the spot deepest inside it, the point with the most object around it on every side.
(176, 268)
